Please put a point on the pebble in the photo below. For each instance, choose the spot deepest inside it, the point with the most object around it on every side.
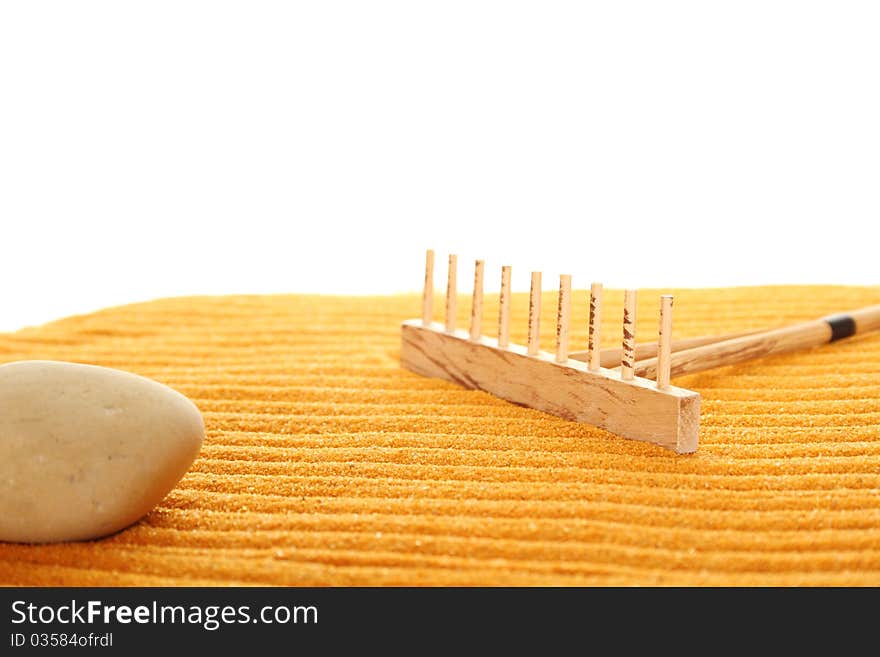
(86, 451)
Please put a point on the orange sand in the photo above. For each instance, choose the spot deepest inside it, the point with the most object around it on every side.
(326, 464)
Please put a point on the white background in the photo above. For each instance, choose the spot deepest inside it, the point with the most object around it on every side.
(165, 148)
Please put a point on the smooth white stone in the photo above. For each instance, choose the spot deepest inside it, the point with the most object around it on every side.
(86, 451)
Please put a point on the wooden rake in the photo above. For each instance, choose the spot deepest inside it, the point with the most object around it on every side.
(625, 391)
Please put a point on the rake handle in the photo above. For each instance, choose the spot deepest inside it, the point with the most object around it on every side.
(610, 357)
(775, 341)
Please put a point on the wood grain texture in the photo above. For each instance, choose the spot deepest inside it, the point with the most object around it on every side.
(593, 355)
(611, 356)
(664, 341)
(628, 347)
(534, 343)
(632, 409)
(763, 343)
(477, 302)
(563, 318)
(451, 292)
(504, 308)
(738, 350)
(428, 290)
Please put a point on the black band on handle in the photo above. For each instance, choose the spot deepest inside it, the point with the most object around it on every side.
(842, 326)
